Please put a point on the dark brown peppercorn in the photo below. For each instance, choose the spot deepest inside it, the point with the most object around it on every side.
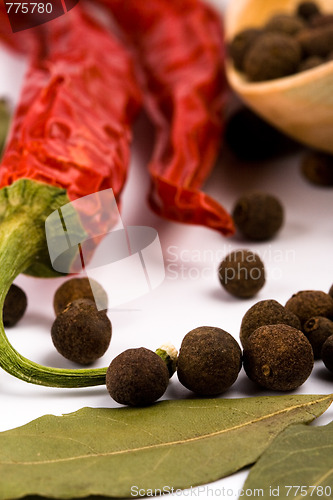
(14, 306)
(250, 138)
(266, 312)
(81, 333)
(278, 357)
(137, 377)
(241, 44)
(317, 330)
(78, 288)
(327, 353)
(317, 168)
(242, 273)
(272, 55)
(309, 303)
(209, 361)
(285, 23)
(316, 41)
(307, 10)
(258, 216)
(330, 293)
(310, 63)
(321, 20)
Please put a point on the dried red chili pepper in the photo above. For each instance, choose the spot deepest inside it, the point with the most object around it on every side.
(70, 137)
(179, 46)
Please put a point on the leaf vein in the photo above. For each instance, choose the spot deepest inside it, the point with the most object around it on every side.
(170, 443)
(320, 480)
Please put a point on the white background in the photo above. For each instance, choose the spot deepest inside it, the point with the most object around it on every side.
(299, 258)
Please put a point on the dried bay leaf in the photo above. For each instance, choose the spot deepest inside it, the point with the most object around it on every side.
(298, 464)
(174, 444)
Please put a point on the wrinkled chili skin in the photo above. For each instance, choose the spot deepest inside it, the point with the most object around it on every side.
(72, 127)
(179, 47)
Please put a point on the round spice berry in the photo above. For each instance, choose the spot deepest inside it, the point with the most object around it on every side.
(240, 44)
(137, 377)
(317, 168)
(250, 138)
(81, 333)
(316, 41)
(209, 361)
(285, 23)
(278, 357)
(327, 353)
(14, 306)
(317, 330)
(321, 20)
(242, 273)
(78, 288)
(307, 10)
(258, 216)
(331, 292)
(310, 63)
(266, 312)
(309, 303)
(272, 55)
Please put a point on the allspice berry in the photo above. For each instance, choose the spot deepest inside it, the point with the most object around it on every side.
(252, 139)
(309, 303)
(240, 44)
(278, 357)
(310, 63)
(327, 353)
(321, 20)
(317, 330)
(81, 333)
(78, 288)
(258, 216)
(209, 361)
(285, 23)
(316, 41)
(266, 312)
(14, 306)
(137, 377)
(272, 55)
(330, 293)
(307, 10)
(317, 168)
(242, 273)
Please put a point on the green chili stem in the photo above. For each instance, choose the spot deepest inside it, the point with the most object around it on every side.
(22, 240)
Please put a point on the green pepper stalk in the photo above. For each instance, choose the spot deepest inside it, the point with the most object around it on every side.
(24, 207)
(4, 123)
(169, 354)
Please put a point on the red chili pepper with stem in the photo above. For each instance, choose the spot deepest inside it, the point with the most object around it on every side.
(70, 137)
(179, 47)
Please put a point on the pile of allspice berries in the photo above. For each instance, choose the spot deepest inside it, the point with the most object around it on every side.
(279, 344)
(288, 43)
(285, 45)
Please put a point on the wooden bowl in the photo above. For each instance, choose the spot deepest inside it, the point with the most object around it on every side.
(300, 105)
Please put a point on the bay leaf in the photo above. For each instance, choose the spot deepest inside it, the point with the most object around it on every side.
(298, 464)
(126, 451)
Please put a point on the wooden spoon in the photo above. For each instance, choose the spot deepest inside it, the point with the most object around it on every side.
(300, 105)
